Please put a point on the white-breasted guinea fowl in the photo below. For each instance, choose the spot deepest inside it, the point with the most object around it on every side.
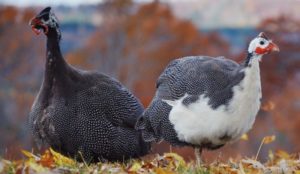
(83, 114)
(205, 102)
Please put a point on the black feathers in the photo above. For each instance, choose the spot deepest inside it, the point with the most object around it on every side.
(45, 11)
(85, 112)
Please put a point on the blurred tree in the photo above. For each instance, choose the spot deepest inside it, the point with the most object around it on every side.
(20, 69)
(281, 78)
(8, 16)
(116, 7)
(137, 46)
(284, 65)
(286, 115)
(134, 44)
(278, 72)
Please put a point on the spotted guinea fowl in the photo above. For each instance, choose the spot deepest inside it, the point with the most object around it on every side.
(83, 114)
(205, 102)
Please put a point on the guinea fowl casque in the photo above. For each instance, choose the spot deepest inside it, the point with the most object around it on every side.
(83, 114)
(206, 102)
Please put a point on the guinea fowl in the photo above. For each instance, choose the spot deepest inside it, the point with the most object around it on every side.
(82, 114)
(205, 102)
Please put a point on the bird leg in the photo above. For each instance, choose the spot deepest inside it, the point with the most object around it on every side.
(198, 152)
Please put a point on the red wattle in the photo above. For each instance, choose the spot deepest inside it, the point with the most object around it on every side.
(259, 50)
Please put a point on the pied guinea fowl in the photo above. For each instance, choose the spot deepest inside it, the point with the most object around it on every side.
(205, 102)
(79, 113)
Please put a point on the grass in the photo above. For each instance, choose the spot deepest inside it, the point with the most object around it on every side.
(51, 162)
(169, 163)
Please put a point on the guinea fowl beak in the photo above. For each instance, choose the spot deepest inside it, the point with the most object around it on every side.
(273, 47)
(37, 26)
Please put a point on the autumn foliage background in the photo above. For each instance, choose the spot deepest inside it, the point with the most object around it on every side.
(133, 43)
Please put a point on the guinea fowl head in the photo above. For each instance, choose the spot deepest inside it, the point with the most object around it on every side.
(45, 21)
(262, 45)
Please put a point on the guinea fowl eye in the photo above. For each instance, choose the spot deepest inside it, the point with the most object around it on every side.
(261, 42)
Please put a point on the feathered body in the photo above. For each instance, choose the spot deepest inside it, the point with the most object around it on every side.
(84, 112)
(206, 102)
(209, 110)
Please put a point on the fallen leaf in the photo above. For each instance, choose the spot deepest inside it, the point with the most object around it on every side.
(160, 170)
(268, 106)
(62, 160)
(242, 171)
(269, 139)
(36, 167)
(148, 165)
(30, 155)
(135, 167)
(47, 159)
(282, 154)
(53, 162)
(255, 164)
(177, 159)
(245, 137)
(297, 172)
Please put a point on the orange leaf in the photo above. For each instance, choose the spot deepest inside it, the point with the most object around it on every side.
(160, 170)
(47, 159)
(282, 154)
(175, 158)
(61, 160)
(245, 137)
(269, 106)
(269, 139)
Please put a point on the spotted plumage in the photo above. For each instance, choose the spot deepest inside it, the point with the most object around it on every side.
(83, 114)
(206, 102)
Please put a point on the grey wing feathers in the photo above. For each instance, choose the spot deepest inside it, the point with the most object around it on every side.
(195, 76)
(167, 81)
